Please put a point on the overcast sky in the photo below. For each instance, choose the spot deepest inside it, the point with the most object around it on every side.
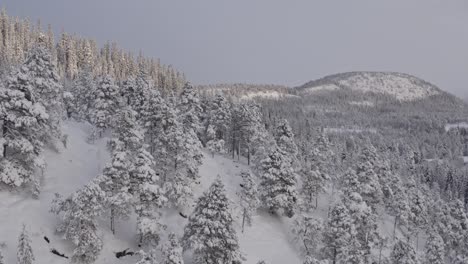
(276, 41)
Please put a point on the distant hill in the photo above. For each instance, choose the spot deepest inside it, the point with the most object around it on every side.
(402, 87)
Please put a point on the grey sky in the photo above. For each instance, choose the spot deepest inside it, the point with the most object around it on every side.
(272, 41)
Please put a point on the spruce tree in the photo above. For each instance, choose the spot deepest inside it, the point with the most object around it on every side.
(339, 233)
(308, 233)
(25, 254)
(210, 230)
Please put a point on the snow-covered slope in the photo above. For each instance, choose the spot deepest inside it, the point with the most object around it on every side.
(75, 165)
(402, 86)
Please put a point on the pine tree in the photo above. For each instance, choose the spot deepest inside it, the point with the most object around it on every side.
(218, 124)
(1, 258)
(40, 71)
(403, 253)
(313, 184)
(79, 220)
(308, 233)
(278, 183)
(173, 251)
(248, 198)
(145, 187)
(127, 132)
(83, 90)
(210, 231)
(24, 122)
(115, 182)
(285, 141)
(151, 118)
(339, 233)
(435, 251)
(25, 254)
(105, 105)
(147, 258)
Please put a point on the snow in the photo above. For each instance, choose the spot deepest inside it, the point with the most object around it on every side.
(79, 162)
(266, 94)
(322, 88)
(349, 130)
(456, 126)
(401, 86)
(362, 103)
(465, 159)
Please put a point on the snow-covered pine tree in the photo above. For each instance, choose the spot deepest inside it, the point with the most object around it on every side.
(105, 105)
(40, 71)
(218, 124)
(83, 90)
(313, 184)
(79, 220)
(189, 111)
(149, 196)
(210, 232)
(127, 133)
(172, 252)
(338, 234)
(435, 250)
(248, 196)
(403, 253)
(308, 233)
(24, 120)
(115, 182)
(1, 258)
(278, 183)
(285, 141)
(25, 253)
(151, 118)
(147, 257)
(139, 97)
(370, 188)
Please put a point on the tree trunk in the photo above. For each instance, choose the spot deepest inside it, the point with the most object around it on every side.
(112, 224)
(248, 155)
(243, 220)
(394, 226)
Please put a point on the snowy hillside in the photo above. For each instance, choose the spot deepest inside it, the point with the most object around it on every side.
(80, 162)
(402, 86)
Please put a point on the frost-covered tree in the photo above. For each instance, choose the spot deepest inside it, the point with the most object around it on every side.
(435, 251)
(105, 105)
(151, 118)
(172, 253)
(115, 182)
(285, 141)
(1, 258)
(403, 253)
(127, 133)
(40, 71)
(313, 183)
(25, 253)
(83, 91)
(79, 220)
(308, 233)
(23, 121)
(189, 110)
(370, 188)
(210, 230)
(278, 183)
(218, 123)
(150, 198)
(339, 232)
(248, 196)
(147, 257)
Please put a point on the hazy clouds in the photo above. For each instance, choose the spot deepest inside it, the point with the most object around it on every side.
(273, 41)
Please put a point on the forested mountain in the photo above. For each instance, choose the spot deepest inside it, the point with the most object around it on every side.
(109, 159)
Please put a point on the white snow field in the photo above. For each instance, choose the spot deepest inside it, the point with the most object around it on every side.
(268, 239)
